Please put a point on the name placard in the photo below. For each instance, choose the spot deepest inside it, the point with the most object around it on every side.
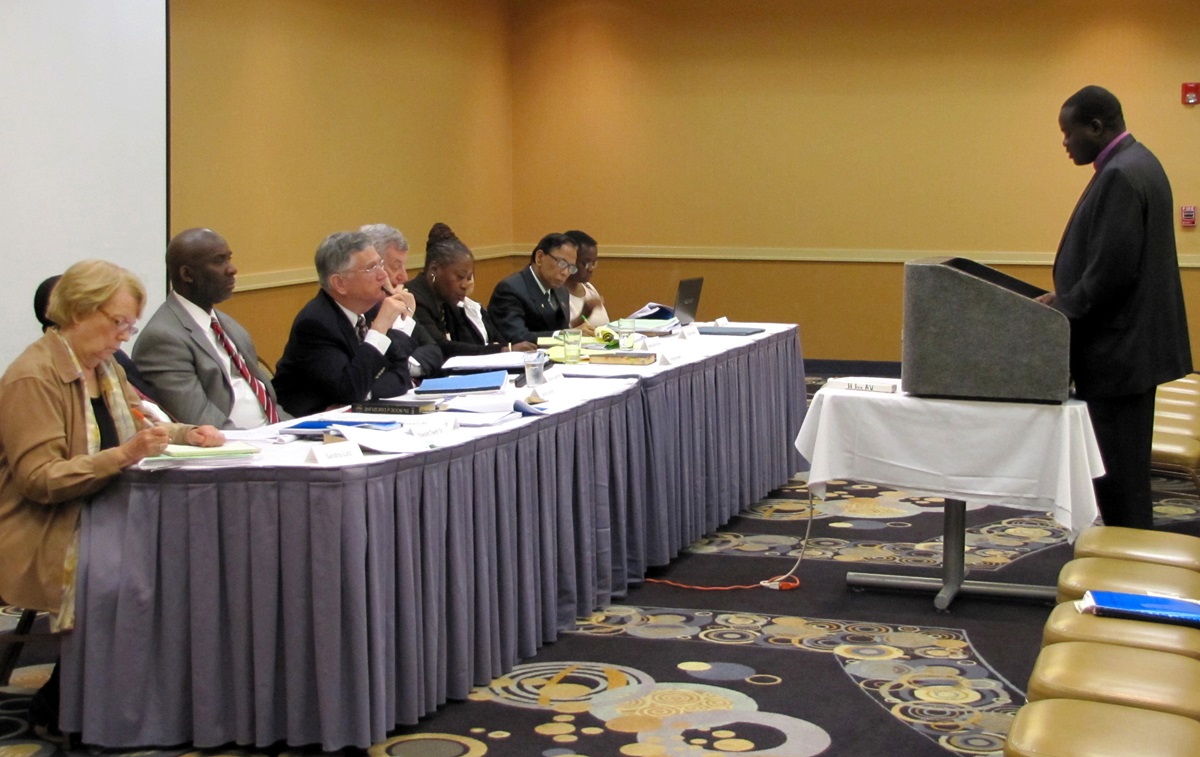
(339, 453)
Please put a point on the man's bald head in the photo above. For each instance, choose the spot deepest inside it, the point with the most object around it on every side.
(199, 264)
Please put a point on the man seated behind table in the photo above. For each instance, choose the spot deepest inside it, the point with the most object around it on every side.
(441, 290)
(391, 245)
(200, 362)
(532, 302)
(352, 341)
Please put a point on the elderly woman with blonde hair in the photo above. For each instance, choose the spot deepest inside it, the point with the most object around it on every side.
(69, 423)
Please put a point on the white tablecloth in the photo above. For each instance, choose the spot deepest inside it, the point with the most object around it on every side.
(1040, 457)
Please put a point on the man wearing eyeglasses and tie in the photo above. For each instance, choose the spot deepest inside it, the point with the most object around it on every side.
(353, 341)
(532, 302)
(199, 362)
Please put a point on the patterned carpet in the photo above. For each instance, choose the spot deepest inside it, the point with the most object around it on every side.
(820, 670)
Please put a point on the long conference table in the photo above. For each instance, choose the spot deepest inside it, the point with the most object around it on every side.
(316, 605)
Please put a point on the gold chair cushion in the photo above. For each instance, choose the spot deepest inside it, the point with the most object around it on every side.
(1174, 450)
(1074, 728)
(1127, 676)
(1109, 574)
(1068, 624)
(1161, 547)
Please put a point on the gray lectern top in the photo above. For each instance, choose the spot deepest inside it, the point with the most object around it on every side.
(972, 332)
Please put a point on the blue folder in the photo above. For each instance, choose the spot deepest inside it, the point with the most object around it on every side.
(1117, 604)
(463, 383)
(318, 426)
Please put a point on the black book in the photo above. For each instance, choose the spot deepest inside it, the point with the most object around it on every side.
(408, 406)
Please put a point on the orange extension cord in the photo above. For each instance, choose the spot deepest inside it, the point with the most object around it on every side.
(787, 582)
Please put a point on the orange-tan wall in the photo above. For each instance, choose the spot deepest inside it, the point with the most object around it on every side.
(291, 119)
(846, 125)
(794, 154)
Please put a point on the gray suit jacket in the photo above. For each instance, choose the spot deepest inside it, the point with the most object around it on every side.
(177, 359)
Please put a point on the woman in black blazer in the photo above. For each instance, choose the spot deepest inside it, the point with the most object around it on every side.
(441, 292)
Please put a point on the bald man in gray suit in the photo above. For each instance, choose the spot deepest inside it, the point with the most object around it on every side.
(195, 375)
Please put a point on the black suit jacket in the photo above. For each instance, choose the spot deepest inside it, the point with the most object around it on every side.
(448, 324)
(324, 364)
(1116, 278)
(523, 313)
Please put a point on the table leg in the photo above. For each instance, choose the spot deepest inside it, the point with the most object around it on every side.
(952, 582)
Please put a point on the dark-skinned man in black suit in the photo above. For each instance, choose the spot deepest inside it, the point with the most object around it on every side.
(1116, 278)
(533, 301)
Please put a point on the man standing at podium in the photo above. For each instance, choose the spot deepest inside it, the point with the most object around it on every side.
(1116, 278)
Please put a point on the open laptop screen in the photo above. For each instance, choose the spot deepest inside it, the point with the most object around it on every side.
(687, 300)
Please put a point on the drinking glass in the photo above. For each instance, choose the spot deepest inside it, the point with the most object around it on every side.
(625, 333)
(535, 368)
(572, 345)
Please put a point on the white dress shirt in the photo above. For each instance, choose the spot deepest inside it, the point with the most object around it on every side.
(246, 412)
(381, 342)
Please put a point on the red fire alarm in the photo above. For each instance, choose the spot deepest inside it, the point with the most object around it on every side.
(1191, 92)
(1187, 216)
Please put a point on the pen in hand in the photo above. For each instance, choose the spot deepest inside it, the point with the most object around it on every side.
(140, 417)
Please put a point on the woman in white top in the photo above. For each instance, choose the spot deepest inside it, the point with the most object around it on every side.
(587, 306)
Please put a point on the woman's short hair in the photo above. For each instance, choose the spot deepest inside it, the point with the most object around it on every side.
(444, 247)
(86, 286)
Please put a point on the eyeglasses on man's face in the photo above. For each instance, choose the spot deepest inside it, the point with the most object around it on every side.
(564, 265)
(369, 270)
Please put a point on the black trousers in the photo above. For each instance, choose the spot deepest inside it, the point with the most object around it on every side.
(1124, 429)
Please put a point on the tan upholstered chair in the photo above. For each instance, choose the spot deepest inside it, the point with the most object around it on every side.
(1107, 574)
(1068, 624)
(1175, 447)
(1140, 545)
(1074, 728)
(1128, 676)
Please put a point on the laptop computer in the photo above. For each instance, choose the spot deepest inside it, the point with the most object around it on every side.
(687, 300)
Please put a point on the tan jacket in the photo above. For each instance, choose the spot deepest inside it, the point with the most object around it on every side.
(46, 473)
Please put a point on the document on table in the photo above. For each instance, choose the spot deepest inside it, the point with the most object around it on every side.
(414, 437)
(177, 455)
(505, 360)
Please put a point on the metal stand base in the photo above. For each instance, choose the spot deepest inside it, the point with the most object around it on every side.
(952, 583)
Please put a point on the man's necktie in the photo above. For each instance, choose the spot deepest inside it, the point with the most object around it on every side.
(260, 391)
(360, 327)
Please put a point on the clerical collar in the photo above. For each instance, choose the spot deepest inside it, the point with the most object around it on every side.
(1102, 159)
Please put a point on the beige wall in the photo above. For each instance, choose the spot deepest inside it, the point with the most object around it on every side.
(291, 119)
(792, 153)
(851, 126)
